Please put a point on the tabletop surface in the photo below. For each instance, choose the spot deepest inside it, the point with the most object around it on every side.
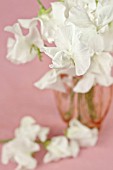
(18, 97)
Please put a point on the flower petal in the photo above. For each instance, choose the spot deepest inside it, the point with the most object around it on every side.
(85, 84)
(51, 81)
(27, 23)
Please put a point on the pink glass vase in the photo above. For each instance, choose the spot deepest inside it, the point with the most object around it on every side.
(90, 108)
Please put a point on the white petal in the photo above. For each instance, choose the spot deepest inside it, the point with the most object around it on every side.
(29, 132)
(20, 53)
(64, 36)
(27, 23)
(90, 141)
(85, 84)
(51, 51)
(48, 158)
(26, 121)
(105, 62)
(79, 17)
(47, 29)
(108, 40)
(7, 152)
(61, 60)
(74, 147)
(82, 56)
(83, 135)
(58, 12)
(43, 133)
(51, 81)
(104, 80)
(104, 14)
(10, 43)
(34, 37)
(59, 147)
(15, 29)
(25, 161)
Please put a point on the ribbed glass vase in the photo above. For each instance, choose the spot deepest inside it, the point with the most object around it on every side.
(90, 108)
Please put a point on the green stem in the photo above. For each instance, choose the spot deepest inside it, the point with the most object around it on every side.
(3, 141)
(72, 97)
(96, 2)
(79, 105)
(41, 4)
(69, 113)
(45, 144)
(89, 98)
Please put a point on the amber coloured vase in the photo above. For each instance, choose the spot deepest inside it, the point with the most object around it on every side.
(90, 108)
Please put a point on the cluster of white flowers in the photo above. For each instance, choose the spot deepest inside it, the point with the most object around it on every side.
(30, 135)
(21, 148)
(77, 136)
(82, 31)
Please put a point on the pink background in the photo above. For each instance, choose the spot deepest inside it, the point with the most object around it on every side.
(18, 97)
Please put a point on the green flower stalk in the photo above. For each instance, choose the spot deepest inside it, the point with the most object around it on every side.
(42, 9)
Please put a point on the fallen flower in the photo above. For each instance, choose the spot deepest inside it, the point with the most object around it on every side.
(59, 148)
(85, 136)
(20, 150)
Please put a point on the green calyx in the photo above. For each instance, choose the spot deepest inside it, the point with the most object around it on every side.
(47, 143)
(44, 11)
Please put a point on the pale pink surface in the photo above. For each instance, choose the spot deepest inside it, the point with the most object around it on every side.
(18, 97)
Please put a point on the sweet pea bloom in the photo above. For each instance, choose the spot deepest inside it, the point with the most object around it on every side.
(22, 147)
(20, 48)
(83, 135)
(69, 52)
(53, 80)
(51, 21)
(60, 148)
(29, 129)
(20, 150)
(99, 19)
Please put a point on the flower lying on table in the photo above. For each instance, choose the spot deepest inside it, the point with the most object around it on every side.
(29, 136)
(21, 148)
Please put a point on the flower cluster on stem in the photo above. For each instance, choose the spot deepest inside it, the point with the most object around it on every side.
(29, 136)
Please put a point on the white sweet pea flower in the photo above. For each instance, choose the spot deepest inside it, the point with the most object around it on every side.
(30, 130)
(83, 135)
(51, 21)
(59, 148)
(96, 26)
(98, 73)
(55, 81)
(69, 51)
(20, 47)
(20, 150)
(99, 19)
